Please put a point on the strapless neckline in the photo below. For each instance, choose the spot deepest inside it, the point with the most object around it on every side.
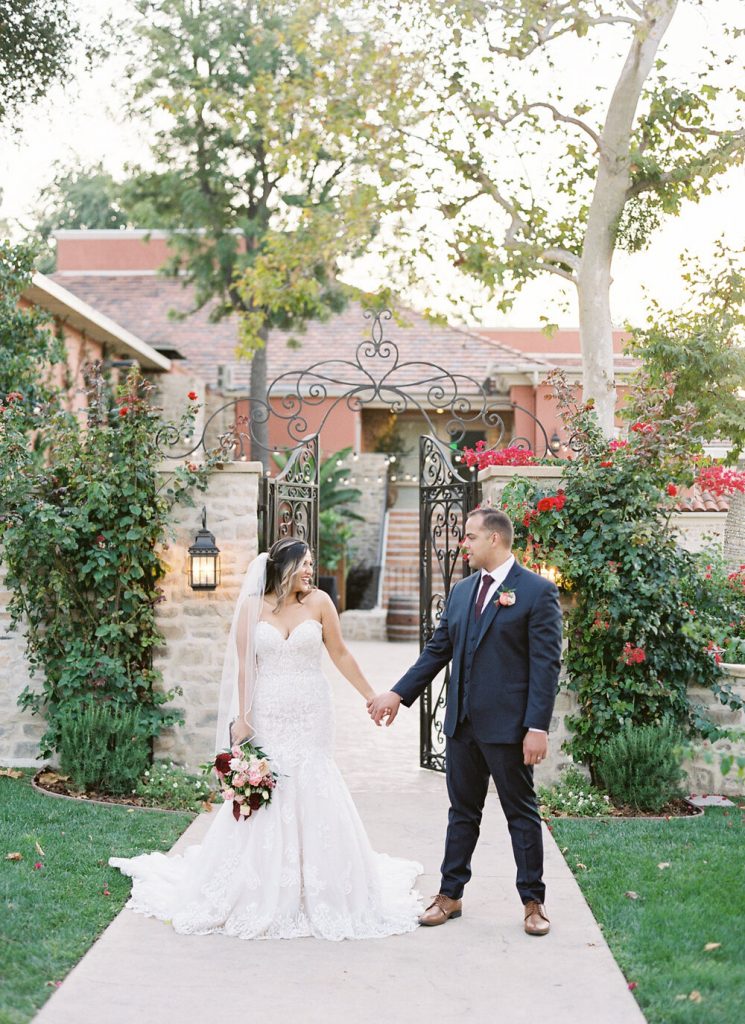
(263, 622)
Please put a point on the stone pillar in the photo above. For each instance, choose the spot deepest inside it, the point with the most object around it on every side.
(195, 624)
(494, 479)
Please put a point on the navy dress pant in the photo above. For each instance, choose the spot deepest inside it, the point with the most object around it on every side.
(469, 764)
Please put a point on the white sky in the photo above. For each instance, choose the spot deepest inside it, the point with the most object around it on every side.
(82, 124)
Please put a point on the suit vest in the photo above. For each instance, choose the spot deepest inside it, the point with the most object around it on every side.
(469, 651)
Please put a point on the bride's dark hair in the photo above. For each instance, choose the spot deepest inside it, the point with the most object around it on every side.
(284, 560)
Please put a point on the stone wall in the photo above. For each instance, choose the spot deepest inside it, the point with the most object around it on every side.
(20, 731)
(195, 623)
(703, 769)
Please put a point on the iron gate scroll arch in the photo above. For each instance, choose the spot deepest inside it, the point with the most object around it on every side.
(288, 503)
(302, 401)
(445, 499)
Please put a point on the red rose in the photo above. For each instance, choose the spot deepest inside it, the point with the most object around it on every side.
(255, 801)
(672, 490)
(192, 395)
(222, 763)
(545, 505)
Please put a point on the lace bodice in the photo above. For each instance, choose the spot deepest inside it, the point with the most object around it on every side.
(292, 710)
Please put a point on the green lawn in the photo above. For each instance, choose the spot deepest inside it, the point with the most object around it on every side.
(659, 938)
(50, 916)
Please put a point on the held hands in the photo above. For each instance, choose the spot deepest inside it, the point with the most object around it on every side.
(239, 731)
(385, 705)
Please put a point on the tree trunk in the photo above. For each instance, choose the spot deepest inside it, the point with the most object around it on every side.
(609, 198)
(258, 414)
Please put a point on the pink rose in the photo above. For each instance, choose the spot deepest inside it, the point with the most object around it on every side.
(240, 780)
(228, 794)
(507, 598)
(255, 777)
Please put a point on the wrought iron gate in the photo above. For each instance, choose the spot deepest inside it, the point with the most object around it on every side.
(445, 499)
(288, 502)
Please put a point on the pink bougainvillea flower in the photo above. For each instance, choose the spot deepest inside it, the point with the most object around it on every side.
(38, 864)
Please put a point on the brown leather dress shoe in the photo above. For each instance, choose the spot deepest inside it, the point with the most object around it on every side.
(536, 922)
(440, 910)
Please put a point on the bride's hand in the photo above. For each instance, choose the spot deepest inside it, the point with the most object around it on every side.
(239, 731)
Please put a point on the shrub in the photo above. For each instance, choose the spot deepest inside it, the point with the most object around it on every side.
(102, 746)
(573, 794)
(641, 765)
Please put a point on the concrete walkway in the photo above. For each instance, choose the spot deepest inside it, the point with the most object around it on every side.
(481, 968)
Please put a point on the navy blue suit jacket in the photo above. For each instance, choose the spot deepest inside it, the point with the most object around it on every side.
(515, 671)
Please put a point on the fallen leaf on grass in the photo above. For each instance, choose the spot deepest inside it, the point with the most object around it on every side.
(54, 984)
(581, 866)
(632, 895)
(712, 945)
(695, 996)
(11, 773)
(14, 856)
(39, 850)
(664, 864)
(49, 778)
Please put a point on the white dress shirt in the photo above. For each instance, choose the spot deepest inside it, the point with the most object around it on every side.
(499, 575)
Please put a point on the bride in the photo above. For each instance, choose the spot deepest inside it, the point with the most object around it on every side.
(302, 865)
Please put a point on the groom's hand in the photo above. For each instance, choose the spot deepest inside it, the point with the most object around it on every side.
(385, 705)
(535, 747)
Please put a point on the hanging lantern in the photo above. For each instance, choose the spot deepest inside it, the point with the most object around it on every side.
(204, 559)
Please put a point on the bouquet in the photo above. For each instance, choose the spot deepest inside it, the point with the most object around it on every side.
(246, 777)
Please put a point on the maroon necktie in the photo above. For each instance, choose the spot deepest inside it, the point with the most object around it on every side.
(486, 582)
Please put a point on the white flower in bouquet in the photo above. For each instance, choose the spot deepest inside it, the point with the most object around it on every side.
(245, 810)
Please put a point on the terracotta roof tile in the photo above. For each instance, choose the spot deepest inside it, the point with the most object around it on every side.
(143, 304)
(693, 499)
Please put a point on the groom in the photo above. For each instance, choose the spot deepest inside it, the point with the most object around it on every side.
(501, 628)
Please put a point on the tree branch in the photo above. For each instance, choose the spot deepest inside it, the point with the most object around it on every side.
(558, 116)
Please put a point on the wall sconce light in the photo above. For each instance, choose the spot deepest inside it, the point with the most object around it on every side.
(555, 443)
(204, 559)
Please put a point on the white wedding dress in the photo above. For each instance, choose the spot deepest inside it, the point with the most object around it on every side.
(301, 866)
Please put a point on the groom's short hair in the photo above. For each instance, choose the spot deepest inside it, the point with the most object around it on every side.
(496, 521)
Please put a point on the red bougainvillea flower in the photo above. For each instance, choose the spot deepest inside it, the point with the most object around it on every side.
(37, 865)
(643, 428)
(615, 446)
(719, 480)
(192, 395)
(123, 410)
(633, 655)
(715, 651)
(14, 396)
(606, 462)
(672, 490)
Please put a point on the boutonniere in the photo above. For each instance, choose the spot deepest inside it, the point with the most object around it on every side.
(506, 598)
